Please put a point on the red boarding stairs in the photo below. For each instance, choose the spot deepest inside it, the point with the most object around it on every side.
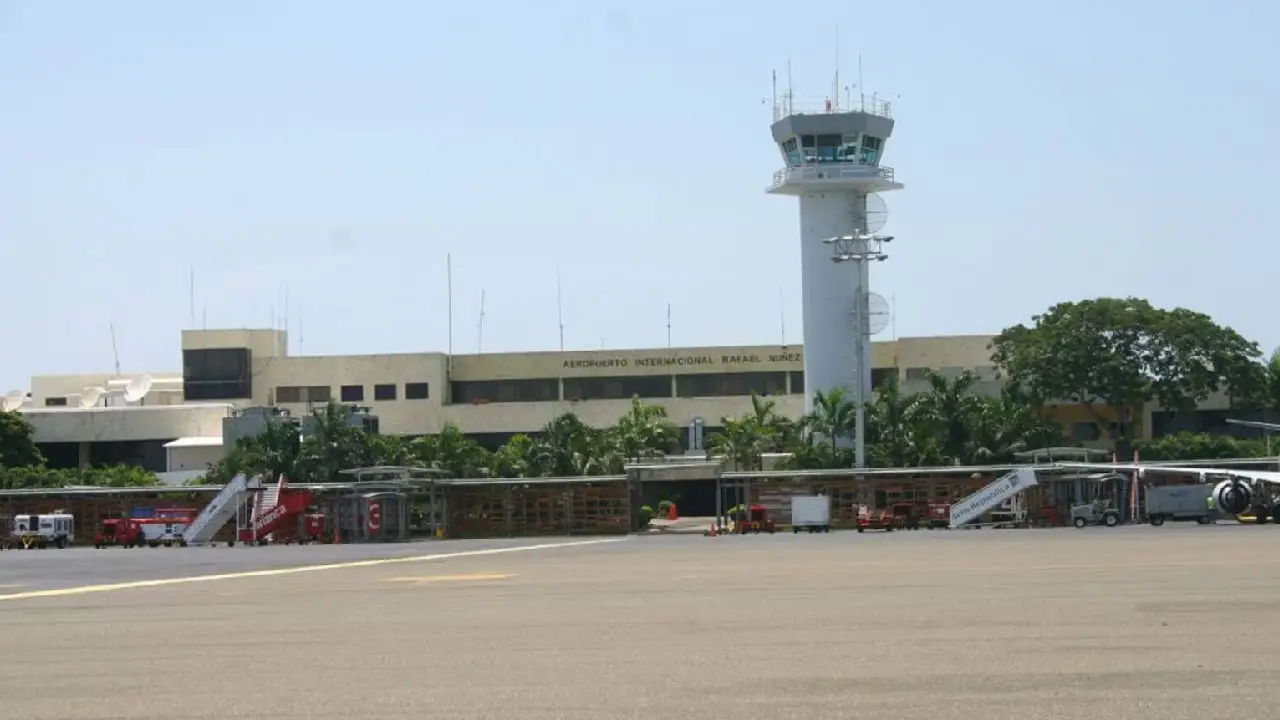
(274, 506)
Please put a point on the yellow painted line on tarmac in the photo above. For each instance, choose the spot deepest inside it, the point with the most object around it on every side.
(452, 578)
(88, 589)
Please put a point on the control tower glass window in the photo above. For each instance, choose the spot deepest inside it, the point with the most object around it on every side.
(850, 149)
(871, 149)
(828, 148)
(791, 151)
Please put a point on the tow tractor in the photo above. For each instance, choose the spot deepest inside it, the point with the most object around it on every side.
(41, 531)
(1099, 512)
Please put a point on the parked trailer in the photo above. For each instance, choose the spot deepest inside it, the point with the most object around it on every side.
(810, 512)
(41, 531)
(1180, 503)
(166, 526)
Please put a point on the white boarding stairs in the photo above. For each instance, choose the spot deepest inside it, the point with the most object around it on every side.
(999, 490)
(223, 507)
(266, 499)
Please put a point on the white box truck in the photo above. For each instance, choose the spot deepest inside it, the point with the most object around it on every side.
(810, 512)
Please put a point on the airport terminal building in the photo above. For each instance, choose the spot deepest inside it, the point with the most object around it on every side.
(177, 427)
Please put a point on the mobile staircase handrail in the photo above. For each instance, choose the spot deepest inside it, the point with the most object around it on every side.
(994, 493)
(221, 509)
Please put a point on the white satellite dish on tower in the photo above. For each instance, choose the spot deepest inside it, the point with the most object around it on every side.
(137, 388)
(878, 313)
(90, 396)
(13, 401)
(875, 214)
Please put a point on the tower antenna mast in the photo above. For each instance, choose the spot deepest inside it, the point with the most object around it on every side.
(115, 352)
(559, 308)
(480, 332)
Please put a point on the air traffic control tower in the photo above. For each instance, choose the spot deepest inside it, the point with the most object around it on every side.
(832, 163)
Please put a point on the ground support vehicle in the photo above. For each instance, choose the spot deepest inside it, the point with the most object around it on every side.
(937, 515)
(314, 525)
(755, 520)
(125, 532)
(1180, 503)
(55, 529)
(165, 526)
(871, 519)
(1095, 513)
(811, 512)
(907, 515)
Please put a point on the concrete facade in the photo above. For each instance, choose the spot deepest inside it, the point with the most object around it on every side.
(497, 393)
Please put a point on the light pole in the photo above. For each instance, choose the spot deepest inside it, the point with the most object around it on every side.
(860, 249)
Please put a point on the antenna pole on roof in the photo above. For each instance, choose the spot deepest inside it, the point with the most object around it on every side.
(448, 272)
(191, 290)
(115, 353)
(480, 330)
(559, 308)
(668, 326)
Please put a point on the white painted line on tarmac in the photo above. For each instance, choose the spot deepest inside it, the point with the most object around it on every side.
(87, 589)
(470, 577)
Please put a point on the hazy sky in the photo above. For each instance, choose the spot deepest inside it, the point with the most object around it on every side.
(1051, 150)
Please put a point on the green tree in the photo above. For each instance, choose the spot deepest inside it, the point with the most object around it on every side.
(1199, 446)
(452, 452)
(17, 446)
(645, 431)
(1125, 354)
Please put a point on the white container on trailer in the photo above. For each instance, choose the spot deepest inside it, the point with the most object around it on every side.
(810, 512)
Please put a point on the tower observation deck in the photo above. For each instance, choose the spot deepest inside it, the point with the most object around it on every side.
(831, 162)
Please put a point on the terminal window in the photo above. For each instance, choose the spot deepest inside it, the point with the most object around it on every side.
(417, 391)
(352, 393)
(617, 388)
(880, 376)
(216, 374)
(384, 393)
(303, 394)
(731, 384)
(797, 382)
(55, 402)
(500, 391)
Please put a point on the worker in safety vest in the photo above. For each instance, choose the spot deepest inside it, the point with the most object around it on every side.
(1208, 504)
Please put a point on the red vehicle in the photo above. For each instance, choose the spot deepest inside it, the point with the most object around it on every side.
(872, 519)
(756, 520)
(906, 515)
(126, 532)
(939, 516)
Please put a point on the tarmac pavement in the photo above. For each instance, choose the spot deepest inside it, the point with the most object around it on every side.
(1170, 623)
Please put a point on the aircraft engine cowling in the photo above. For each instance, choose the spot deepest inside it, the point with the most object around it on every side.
(1232, 497)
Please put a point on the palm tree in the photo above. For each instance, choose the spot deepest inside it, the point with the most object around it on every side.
(950, 409)
(644, 431)
(453, 452)
(833, 417)
(742, 441)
